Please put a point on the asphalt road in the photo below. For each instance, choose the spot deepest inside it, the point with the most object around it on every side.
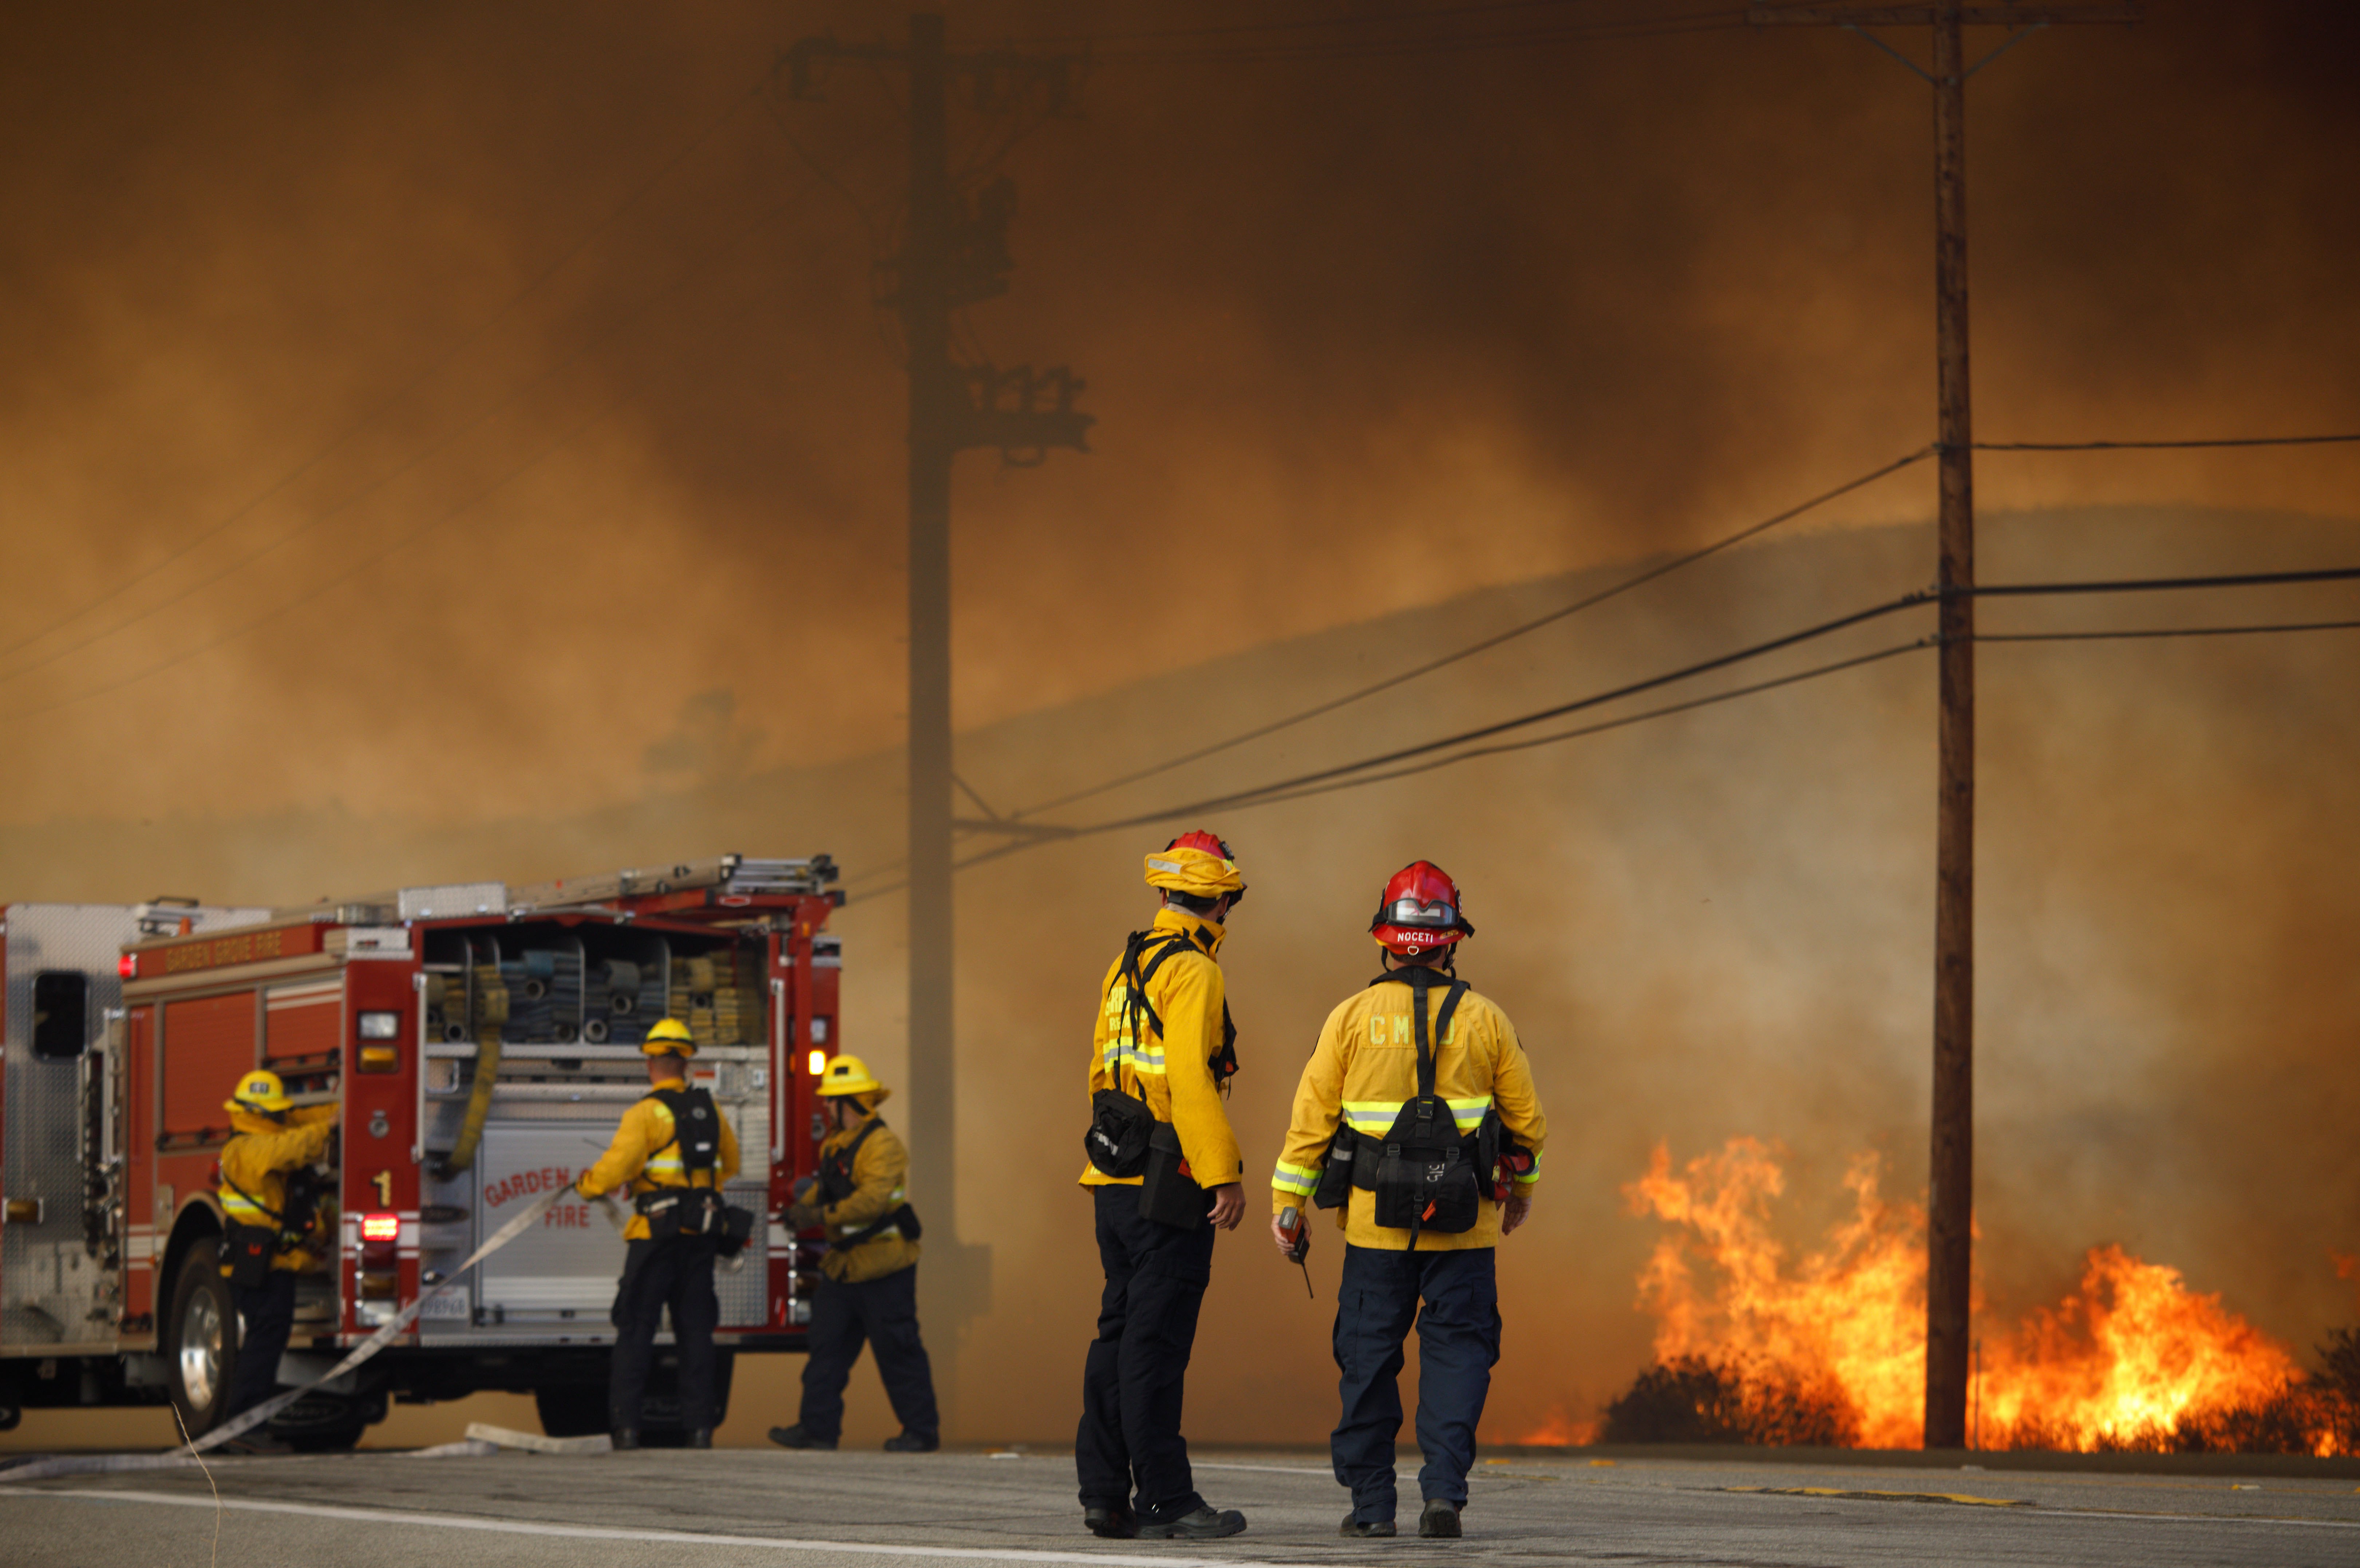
(865, 1510)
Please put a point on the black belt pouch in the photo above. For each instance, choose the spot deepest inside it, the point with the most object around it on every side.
(1167, 1195)
(248, 1249)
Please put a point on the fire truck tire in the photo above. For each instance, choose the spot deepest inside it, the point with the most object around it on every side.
(201, 1338)
(328, 1430)
(573, 1409)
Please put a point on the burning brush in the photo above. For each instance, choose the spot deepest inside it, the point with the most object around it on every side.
(1830, 1350)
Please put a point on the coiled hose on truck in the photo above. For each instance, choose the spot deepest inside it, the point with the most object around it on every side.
(489, 1011)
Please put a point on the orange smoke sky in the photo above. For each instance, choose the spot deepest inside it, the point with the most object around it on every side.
(1359, 335)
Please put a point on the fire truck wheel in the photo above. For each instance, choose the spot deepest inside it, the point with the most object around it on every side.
(201, 1338)
(577, 1409)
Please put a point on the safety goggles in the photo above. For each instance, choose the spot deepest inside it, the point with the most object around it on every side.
(1419, 912)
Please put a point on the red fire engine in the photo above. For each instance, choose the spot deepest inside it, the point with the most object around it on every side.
(482, 1040)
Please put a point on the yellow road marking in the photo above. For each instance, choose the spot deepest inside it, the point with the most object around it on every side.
(1888, 1496)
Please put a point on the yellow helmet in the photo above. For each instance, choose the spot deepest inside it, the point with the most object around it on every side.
(1198, 864)
(670, 1039)
(260, 1092)
(850, 1075)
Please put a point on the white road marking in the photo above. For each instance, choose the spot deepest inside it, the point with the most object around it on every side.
(673, 1537)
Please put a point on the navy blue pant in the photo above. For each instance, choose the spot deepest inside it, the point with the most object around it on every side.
(269, 1312)
(675, 1273)
(884, 1311)
(1129, 1451)
(1458, 1343)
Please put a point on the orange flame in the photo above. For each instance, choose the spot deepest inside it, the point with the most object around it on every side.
(1562, 1430)
(2128, 1359)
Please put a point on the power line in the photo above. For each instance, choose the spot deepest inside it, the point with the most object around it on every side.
(2160, 584)
(2164, 445)
(1486, 643)
(1907, 601)
(1600, 727)
(1625, 721)
(2165, 632)
(377, 411)
(1355, 776)
(1558, 710)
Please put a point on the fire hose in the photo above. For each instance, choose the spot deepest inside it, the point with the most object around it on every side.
(237, 1426)
(490, 1012)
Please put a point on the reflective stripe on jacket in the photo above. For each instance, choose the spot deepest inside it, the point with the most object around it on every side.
(880, 1175)
(1364, 1070)
(1171, 1071)
(258, 1159)
(646, 1154)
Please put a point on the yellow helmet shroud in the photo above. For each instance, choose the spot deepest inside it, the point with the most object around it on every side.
(259, 1093)
(669, 1038)
(850, 1075)
(1198, 864)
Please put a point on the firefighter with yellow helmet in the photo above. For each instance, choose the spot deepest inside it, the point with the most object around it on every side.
(869, 1278)
(1417, 1116)
(1164, 1173)
(266, 1199)
(673, 1150)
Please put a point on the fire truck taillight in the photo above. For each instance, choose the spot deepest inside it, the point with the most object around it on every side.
(379, 1279)
(380, 1026)
(127, 966)
(818, 1063)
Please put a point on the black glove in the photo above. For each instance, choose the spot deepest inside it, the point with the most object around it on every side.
(806, 1216)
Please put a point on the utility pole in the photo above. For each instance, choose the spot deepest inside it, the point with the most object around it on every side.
(1950, 1170)
(954, 254)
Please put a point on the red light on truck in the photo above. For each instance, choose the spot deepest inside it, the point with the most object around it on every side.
(127, 966)
(380, 1227)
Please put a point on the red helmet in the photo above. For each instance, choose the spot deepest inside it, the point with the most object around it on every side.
(1419, 911)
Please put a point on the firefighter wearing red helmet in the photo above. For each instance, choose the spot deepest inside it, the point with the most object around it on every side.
(1416, 1118)
(1164, 1173)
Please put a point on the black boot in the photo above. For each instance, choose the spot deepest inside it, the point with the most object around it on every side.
(1208, 1523)
(1115, 1524)
(913, 1443)
(1360, 1529)
(1439, 1520)
(701, 1438)
(795, 1436)
(626, 1438)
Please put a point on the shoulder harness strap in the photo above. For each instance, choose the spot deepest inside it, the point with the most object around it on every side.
(1138, 966)
(229, 1182)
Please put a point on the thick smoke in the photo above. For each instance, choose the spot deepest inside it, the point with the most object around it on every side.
(1380, 349)
(1362, 335)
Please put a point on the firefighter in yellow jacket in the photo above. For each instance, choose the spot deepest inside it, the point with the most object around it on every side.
(869, 1279)
(270, 1218)
(1416, 1115)
(674, 1150)
(1164, 1174)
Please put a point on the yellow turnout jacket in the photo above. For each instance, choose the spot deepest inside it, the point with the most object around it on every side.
(646, 1154)
(1171, 1071)
(1364, 1070)
(880, 1175)
(257, 1160)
